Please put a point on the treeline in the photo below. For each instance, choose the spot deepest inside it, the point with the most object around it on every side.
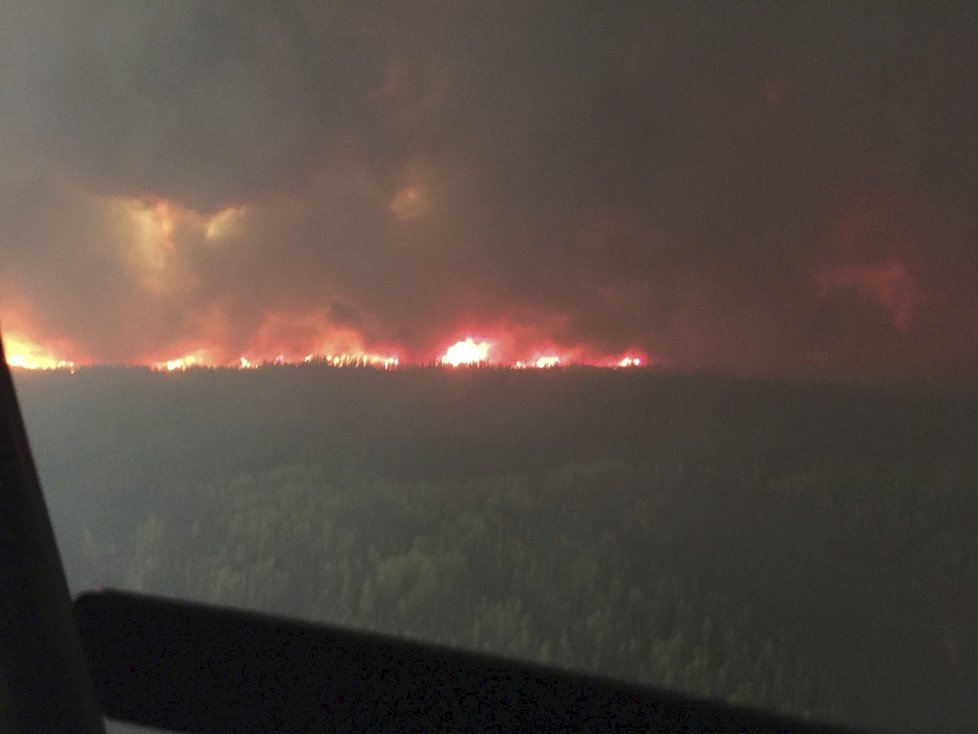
(805, 547)
(514, 565)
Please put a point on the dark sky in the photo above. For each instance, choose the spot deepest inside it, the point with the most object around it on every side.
(758, 188)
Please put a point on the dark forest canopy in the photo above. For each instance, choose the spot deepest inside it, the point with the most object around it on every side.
(802, 546)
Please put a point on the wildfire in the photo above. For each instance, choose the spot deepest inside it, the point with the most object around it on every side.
(356, 360)
(467, 351)
(498, 350)
(541, 363)
(200, 358)
(26, 355)
(181, 363)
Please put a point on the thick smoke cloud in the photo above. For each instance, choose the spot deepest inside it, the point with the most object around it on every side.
(756, 188)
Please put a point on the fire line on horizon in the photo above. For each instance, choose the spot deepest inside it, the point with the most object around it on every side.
(26, 354)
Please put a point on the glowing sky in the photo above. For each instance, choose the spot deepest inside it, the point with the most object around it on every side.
(780, 188)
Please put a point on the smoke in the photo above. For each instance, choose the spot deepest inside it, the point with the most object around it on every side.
(760, 189)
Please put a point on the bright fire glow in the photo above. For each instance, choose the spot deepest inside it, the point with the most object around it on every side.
(467, 351)
(541, 363)
(356, 360)
(180, 363)
(25, 354)
(206, 352)
(200, 358)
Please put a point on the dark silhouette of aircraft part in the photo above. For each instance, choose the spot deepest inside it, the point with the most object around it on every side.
(44, 684)
(193, 667)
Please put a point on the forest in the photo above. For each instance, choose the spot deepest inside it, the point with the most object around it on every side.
(802, 546)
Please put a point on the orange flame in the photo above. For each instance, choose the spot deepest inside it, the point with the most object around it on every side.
(27, 355)
(277, 345)
(467, 351)
(201, 359)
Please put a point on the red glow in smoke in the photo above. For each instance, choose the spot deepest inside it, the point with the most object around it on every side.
(890, 285)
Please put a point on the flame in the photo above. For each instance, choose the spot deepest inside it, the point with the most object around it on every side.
(200, 358)
(550, 357)
(540, 363)
(26, 355)
(181, 363)
(276, 344)
(467, 351)
(356, 360)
